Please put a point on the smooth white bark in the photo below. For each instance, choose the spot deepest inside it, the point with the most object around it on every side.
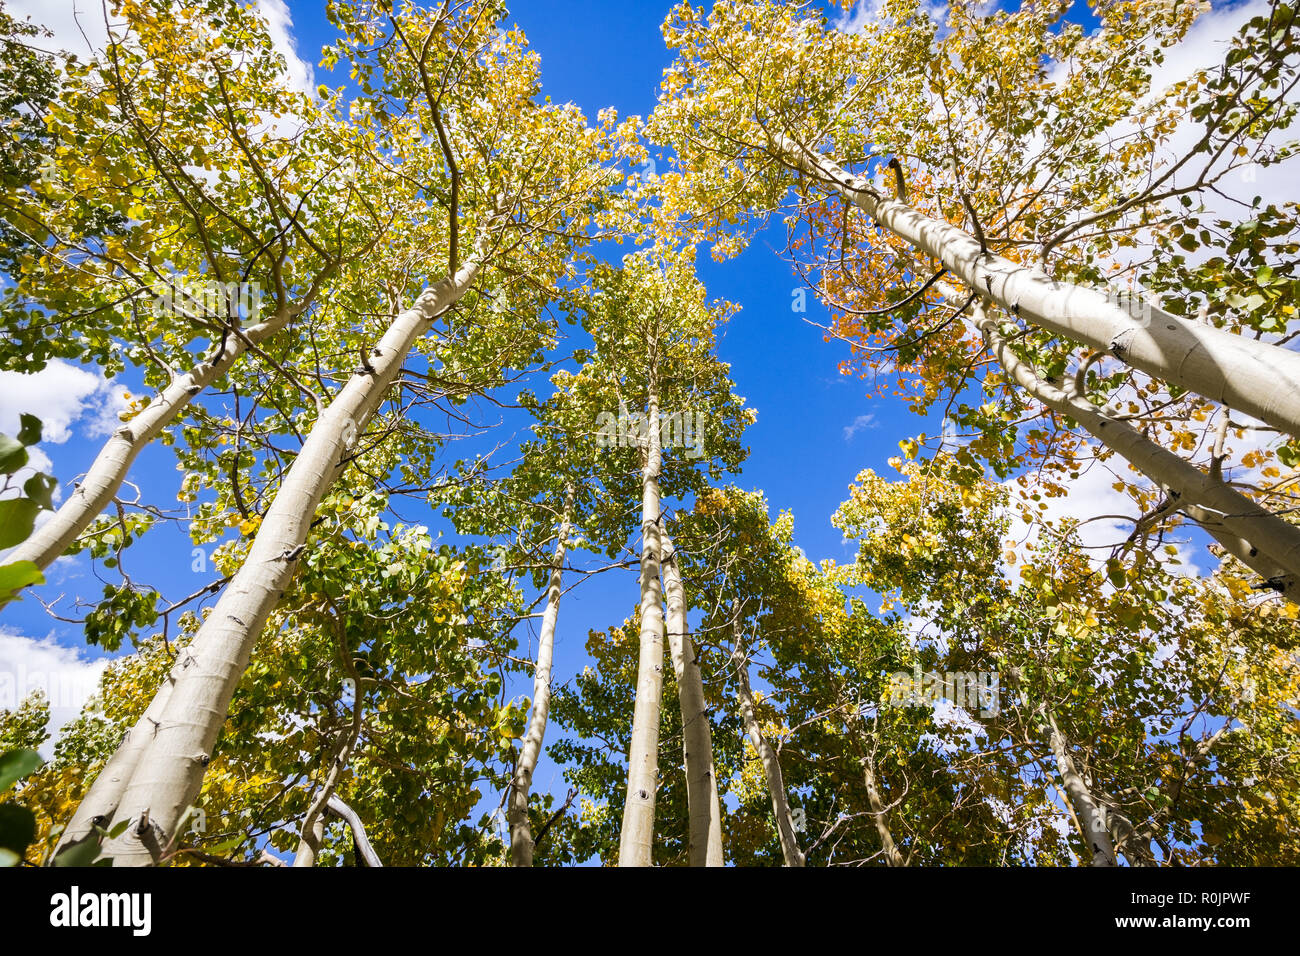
(705, 848)
(766, 753)
(1253, 377)
(168, 774)
(1089, 815)
(312, 832)
(880, 813)
(1262, 539)
(101, 801)
(102, 481)
(636, 838)
(349, 816)
(521, 837)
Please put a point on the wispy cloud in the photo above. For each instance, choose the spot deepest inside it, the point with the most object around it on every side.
(862, 421)
(79, 27)
(279, 26)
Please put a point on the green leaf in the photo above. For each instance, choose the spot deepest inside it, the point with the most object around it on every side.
(14, 577)
(225, 846)
(17, 518)
(16, 764)
(81, 853)
(8, 858)
(39, 488)
(29, 432)
(17, 827)
(12, 455)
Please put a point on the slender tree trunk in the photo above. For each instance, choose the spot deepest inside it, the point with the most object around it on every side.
(365, 853)
(313, 822)
(1253, 377)
(521, 837)
(1263, 540)
(168, 771)
(880, 813)
(766, 753)
(311, 834)
(697, 736)
(100, 485)
(1096, 834)
(636, 838)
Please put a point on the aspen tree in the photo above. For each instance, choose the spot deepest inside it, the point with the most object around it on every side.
(160, 772)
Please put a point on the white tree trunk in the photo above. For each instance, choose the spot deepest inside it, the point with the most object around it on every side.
(350, 817)
(771, 761)
(1253, 377)
(636, 838)
(310, 836)
(1090, 817)
(168, 774)
(880, 813)
(101, 801)
(1263, 540)
(521, 837)
(697, 738)
(312, 832)
(100, 485)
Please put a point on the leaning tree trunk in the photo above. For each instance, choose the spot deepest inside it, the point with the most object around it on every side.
(312, 831)
(880, 812)
(1261, 539)
(366, 856)
(168, 769)
(1096, 834)
(1253, 377)
(521, 837)
(100, 485)
(636, 838)
(705, 846)
(763, 747)
(99, 804)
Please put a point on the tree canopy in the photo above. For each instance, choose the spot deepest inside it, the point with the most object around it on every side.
(425, 368)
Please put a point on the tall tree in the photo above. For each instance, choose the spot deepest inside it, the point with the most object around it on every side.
(973, 149)
(156, 775)
(666, 402)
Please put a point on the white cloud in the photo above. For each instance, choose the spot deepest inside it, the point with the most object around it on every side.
(1206, 43)
(1204, 47)
(862, 421)
(59, 395)
(28, 664)
(279, 25)
(1107, 516)
(79, 27)
(864, 12)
